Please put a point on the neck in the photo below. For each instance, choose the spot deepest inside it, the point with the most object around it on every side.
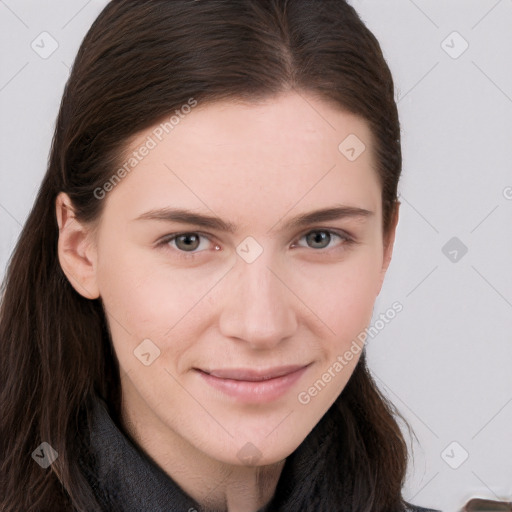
(213, 484)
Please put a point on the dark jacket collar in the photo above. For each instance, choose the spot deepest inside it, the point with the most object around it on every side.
(123, 478)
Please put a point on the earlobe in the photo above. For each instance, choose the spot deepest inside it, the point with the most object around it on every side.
(388, 246)
(77, 254)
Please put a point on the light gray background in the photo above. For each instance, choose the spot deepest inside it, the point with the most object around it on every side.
(446, 359)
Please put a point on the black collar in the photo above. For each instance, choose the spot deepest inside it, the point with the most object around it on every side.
(124, 478)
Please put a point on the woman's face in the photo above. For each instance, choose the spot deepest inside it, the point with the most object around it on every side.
(274, 294)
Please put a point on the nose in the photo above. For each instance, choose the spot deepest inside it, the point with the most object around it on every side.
(259, 308)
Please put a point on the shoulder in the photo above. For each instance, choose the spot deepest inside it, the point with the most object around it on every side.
(413, 508)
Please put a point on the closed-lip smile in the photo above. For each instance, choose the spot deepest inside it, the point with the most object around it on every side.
(251, 385)
(250, 374)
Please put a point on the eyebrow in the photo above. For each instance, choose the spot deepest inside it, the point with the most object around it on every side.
(211, 222)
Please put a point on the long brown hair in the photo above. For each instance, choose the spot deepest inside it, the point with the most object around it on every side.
(139, 62)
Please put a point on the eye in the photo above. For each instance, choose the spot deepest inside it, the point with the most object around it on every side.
(187, 244)
(320, 238)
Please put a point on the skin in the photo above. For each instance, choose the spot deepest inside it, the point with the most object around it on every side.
(256, 165)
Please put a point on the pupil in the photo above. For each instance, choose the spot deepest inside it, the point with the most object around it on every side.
(319, 236)
(188, 245)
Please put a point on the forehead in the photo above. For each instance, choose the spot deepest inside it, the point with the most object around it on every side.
(236, 157)
(287, 127)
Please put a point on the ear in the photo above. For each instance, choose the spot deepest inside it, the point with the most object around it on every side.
(389, 241)
(76, 250)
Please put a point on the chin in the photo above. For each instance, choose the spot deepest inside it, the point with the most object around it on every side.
(256, 451)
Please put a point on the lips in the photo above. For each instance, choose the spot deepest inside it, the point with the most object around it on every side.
(250, 386)
(251, 375)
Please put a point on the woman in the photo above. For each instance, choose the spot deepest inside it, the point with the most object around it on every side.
(184, 315)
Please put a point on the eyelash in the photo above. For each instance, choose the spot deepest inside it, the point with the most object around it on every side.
(164, 242)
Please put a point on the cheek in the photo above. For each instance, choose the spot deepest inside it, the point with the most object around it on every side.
(344, 302)
(146, 300)
(344, 295)
(130, 286)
